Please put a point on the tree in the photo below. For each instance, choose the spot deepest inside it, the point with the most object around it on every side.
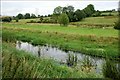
(63, 19)
(20, 16)
(58, 10)
(79, 14)
(38, 16)
(69, 10)
(27, 16)
(89, 10)
(91, 7)
(33, 16)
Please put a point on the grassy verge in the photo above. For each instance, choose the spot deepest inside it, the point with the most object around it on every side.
(19, 64)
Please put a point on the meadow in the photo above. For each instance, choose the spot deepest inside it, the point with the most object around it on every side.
(84, 38)
(93, 41)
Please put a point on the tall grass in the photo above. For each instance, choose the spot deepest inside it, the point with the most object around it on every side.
(87, 44)
(110, 70)
(19, 64)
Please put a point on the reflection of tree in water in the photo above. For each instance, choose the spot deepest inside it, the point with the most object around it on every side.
(72, 60)
(19, 44)
(39, 54)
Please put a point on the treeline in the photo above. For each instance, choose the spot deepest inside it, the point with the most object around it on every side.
(72, 14)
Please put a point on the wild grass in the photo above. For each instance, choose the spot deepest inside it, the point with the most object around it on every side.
(20, 64)
(66, 39)
(111, 70)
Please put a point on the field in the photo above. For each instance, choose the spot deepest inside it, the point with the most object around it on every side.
(86, 37)
(93, 41)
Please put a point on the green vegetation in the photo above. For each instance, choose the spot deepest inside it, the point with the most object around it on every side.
(95, 42)
(63, 19)
(6, 19)
(19, 64)
(110, 70)
(92, 21)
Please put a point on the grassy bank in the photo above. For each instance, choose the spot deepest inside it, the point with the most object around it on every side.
(95, 42)
(19, 64)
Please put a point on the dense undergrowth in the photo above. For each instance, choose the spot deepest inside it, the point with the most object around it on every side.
(20, 64)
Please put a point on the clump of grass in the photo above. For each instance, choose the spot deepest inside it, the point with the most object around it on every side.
(110, 70)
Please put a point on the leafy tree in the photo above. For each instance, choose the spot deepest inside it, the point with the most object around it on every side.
(89, 10)
(20, 16)
(33, 16)
(79, 14)
(91, 7)
(71, 16)
(38, 16)
(63, 19)
(27, 16)
(58, 10)
(69, 10)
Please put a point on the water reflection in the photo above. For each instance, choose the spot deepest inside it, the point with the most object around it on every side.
(52, 52)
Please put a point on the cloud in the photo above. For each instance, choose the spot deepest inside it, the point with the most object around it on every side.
(47, 7)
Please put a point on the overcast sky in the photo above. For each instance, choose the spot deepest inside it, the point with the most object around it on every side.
(12, 8)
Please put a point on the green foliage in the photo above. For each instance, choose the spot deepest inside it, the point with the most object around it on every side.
(6, 19)
(33, 16)
(27, 16)
(16, 19)
(117, 24)
(89, 10)
(63, 19)
(110, 70)
(79, 15)
(96, 14)
(20, 16)
(58, 10)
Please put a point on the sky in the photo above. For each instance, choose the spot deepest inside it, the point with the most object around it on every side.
(12, 8)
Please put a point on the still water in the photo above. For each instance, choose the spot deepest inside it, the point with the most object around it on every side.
(59, 55)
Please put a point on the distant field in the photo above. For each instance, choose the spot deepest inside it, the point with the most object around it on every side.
(99, 20)
(89, 20)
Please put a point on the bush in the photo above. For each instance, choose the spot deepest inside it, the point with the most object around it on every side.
(6, 19)
(17, 20)
(63, 19)
(117, 25)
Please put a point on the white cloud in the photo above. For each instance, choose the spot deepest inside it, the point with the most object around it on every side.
(47, 7)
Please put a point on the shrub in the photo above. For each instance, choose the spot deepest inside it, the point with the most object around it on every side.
(17, 20)
(6, 19)
(63, 19)
(117, 25)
